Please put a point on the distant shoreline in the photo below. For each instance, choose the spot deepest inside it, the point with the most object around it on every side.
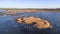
(30, 10)
(14, 11)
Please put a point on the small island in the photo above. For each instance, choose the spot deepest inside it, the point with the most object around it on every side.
(37, 22)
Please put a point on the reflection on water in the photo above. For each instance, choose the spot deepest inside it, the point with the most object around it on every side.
(9, 26)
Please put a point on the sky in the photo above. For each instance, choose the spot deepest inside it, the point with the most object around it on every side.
(29, 3)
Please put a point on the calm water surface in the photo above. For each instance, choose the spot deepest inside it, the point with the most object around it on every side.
(9, 26)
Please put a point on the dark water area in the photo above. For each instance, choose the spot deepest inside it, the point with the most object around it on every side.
(9, 26)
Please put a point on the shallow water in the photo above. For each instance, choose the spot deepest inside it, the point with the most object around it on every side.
(9, 26)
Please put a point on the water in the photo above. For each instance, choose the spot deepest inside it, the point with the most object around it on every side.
(9, 26)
